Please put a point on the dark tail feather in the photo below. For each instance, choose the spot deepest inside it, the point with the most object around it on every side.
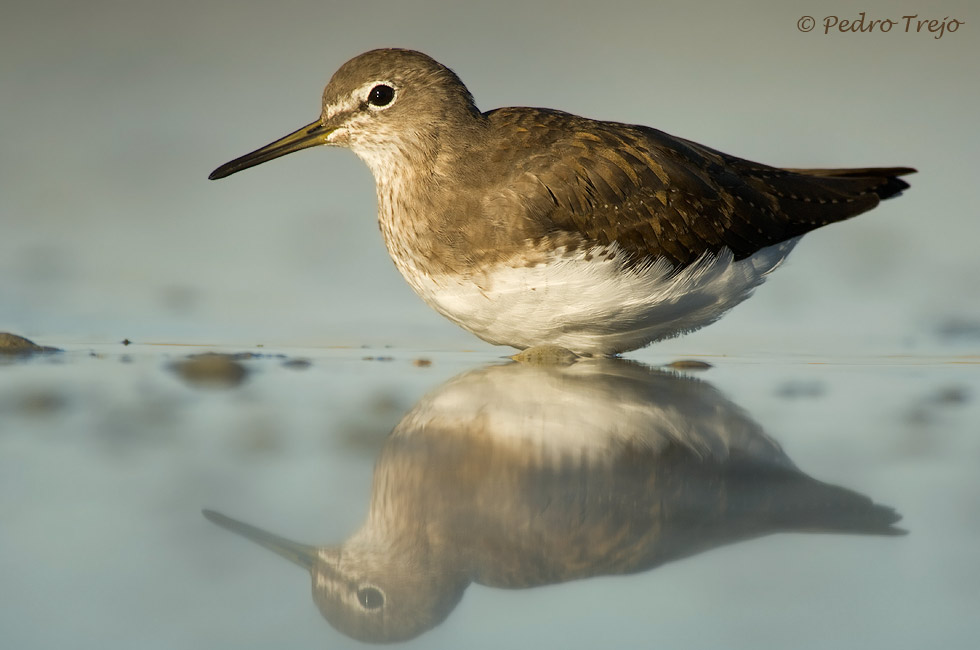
(819, 507)
(883, 181)
(787, 500)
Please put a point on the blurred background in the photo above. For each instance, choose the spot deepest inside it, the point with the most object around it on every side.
(112, 114)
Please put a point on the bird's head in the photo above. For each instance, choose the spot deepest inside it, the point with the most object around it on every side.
(388, 106)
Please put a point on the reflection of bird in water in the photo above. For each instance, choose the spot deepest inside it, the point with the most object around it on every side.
(514, 476)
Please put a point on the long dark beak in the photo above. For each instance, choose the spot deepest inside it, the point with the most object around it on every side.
(301, 554)
(310, 135)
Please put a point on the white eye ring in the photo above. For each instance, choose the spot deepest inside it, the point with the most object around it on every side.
(379, 95)
(370, 597)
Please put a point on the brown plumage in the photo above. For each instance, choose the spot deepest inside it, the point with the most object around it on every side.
(659, 196)
(532, 227)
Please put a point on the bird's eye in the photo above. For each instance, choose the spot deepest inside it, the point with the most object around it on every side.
(370, 597)
(381, 95)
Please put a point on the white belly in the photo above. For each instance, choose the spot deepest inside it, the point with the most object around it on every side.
(598, 305)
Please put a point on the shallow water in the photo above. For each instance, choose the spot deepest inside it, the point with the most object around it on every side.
(859, 357)
(529, 480)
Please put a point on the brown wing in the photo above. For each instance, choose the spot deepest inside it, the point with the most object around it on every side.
(660, 196)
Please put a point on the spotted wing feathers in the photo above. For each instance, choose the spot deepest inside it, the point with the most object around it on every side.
(659, 196)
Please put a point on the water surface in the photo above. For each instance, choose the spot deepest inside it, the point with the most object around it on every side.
(604, 503)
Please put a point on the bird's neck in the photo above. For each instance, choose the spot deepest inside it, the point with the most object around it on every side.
(414, 204)
(406, 212)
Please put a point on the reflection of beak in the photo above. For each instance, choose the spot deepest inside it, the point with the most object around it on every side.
(310, 135)
(300, 554)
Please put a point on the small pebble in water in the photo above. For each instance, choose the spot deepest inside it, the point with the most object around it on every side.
(297, 364)
(211, 369)
(688, 364)
(14, 345)
(546, 355)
